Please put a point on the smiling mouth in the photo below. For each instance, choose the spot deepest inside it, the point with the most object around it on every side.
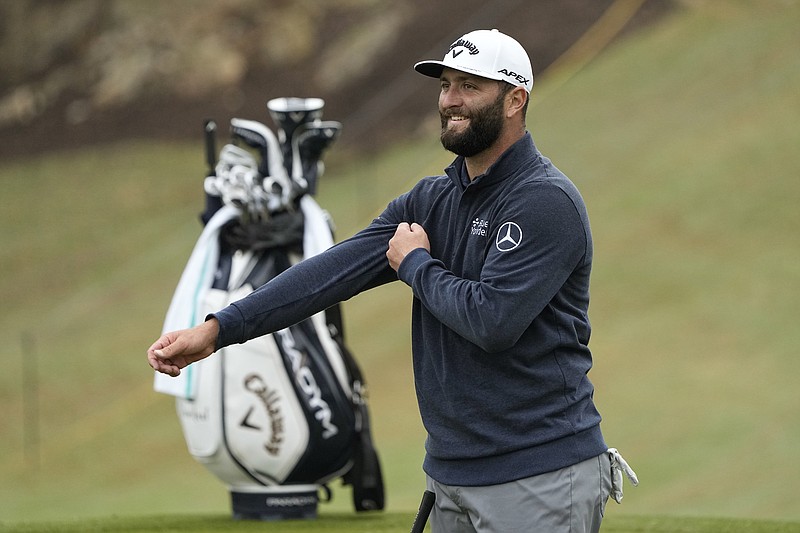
(457, 120)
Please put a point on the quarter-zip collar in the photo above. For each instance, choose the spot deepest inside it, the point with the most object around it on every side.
(517, 155)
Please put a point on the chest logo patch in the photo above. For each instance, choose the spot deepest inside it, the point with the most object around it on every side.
(479, 227)
(509, 237)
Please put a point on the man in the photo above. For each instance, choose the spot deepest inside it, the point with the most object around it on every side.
(498, 254)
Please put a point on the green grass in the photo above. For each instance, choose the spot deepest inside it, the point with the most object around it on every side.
(682, 139)
(690, 173)
(374, 523)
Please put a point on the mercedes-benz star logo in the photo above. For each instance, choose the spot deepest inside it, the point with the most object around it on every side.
(509, 237)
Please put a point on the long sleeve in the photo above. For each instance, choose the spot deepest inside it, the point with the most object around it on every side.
(540, 244)
(352, 266)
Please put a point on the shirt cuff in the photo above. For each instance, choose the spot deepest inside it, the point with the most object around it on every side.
(411, 263)
(231, 326)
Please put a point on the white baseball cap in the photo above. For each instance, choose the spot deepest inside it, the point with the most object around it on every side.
(486, 53)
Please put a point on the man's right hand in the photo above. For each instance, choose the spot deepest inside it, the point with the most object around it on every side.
(178, 349)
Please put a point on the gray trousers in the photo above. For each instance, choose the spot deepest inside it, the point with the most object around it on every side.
(570, 500)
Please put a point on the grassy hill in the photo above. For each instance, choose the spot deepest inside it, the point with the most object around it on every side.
(683, 141)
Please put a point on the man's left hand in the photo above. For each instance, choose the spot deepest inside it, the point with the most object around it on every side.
(406, 239)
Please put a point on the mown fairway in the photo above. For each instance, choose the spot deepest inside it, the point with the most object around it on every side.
(381, 523)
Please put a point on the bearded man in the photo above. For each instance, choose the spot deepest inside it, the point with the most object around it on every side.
(498, 253)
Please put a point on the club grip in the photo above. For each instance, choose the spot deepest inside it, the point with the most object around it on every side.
(425, 506)
(210, 131)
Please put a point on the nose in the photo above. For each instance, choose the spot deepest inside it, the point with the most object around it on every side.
(449, 98)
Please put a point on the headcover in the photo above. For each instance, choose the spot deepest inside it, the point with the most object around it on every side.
(486, 53)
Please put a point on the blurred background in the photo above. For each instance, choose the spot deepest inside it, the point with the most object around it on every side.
(677, 119)
(83, 72)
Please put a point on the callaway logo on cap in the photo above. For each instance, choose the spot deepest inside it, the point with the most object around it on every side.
(486, 53)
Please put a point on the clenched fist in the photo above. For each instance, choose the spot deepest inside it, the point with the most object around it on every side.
(406, 239)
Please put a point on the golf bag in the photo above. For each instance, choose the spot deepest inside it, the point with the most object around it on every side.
(278, 417)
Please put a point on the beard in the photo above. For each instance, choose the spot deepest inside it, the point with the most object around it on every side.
(483, 131)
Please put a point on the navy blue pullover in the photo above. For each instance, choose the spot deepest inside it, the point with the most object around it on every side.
(500, 326)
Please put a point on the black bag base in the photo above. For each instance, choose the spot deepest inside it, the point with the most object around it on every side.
(281, 503)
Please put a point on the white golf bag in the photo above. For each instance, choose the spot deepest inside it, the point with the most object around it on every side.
(280, 416)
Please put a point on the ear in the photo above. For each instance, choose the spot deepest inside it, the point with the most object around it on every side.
(515, 101)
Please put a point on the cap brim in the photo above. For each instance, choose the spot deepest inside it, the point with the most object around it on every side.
(435, 68)
(430, 68)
